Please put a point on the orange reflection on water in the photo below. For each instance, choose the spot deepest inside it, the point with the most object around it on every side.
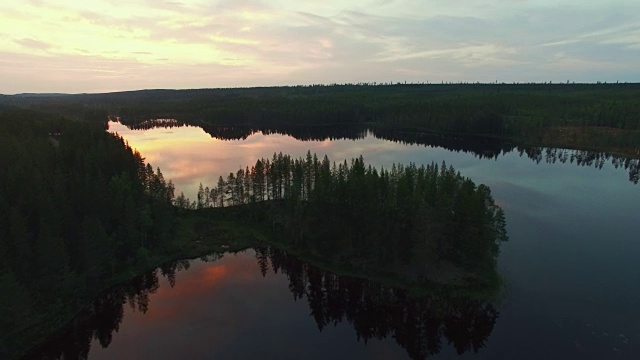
(189, 156)
(200, 282)
(212, 274)
(171, 303)
(201, 308)
(205, 277)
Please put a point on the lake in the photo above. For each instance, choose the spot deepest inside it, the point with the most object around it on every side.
(571, 264)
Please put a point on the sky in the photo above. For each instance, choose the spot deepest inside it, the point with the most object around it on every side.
(76, 46)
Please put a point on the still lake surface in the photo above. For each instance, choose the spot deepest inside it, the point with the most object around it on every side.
(572, 264)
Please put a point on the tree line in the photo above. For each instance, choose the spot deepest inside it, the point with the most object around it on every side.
(522, 112)
(78, 207)
(419, 323)
(479, 147)
(103, 317)
(403, 219)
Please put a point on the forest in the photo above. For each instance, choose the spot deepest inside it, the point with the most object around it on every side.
(581, 116)
(419, 324)
(404, 220)
(83, 211)
(79, 206)
(103, 317)
(481, 147)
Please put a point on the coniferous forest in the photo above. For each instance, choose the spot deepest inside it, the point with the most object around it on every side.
(220, 179)
(401, 220)
(78, 206)
(419, 324)
(479, 146)
(580, 116)
(82, 211)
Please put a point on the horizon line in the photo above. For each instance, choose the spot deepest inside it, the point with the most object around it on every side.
(361, 84)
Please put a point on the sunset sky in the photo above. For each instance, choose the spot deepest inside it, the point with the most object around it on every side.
(110, 45)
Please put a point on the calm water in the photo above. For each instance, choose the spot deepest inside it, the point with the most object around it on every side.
(571, 263)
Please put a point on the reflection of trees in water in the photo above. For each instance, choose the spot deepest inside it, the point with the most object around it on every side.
(480, 147)
(104, 316)
(418, 324)
(583, 158)
(492, 148)
(220, 132)
(152, 124)
(305, 133)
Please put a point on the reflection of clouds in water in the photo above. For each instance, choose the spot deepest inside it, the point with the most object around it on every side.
(523, 199)
(189, 156)
(202, 277)
(216, 309)
(179, 311)
(564, 221)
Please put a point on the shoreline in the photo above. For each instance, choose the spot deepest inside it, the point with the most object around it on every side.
(236, 236)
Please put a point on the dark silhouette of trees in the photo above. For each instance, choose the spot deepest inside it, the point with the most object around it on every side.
(418, 323)
(524, 112)
(403, 220)
(103, 317)
(481, 147)
(78, 207)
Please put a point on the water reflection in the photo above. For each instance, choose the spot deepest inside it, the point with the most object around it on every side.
(100, 320)
(422, 325)
(572, 262)
(417, 323)
(198, 152)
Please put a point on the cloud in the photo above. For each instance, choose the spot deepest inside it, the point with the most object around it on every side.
(200, 43)
(33, 44)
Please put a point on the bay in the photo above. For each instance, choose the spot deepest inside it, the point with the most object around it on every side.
(571, 269)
